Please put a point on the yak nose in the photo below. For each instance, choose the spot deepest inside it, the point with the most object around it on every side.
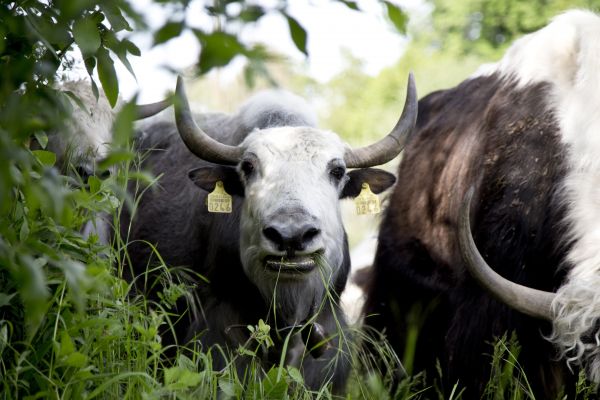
(291, 237)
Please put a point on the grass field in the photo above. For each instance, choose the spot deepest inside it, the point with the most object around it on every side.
(71, 326)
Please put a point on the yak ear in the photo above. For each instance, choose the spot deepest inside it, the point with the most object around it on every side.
(378, 181)
(207, 177)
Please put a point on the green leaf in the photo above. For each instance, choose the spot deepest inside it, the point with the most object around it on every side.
(218, 49)
(274, 388)
(115, 17)
(42, 139)
(115, 157)
(5, 299)
(75, 99)
(180, 378)
(87, 36)
(227, 387)
(108, 76)
(123, 125)
(350, 4)
(131, 47)
(251, 13)
(397, 16)
(45, 157)
(167, 32)
(76, 359)
(245, 352)
(24, 232)
(295, 375)
(94, 183)
(66, 344)
(298, 34)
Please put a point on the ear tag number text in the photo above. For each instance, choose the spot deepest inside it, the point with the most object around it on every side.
(219, 201)
(367, 202)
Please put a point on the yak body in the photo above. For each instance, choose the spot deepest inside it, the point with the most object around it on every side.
(174, 217)
(525, 133)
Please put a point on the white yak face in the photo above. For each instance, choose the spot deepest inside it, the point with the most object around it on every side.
(292, 238)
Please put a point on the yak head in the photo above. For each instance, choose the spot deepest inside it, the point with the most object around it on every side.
(292, 241)
(87, 134)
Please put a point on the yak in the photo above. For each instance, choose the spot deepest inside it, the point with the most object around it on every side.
(87, 134)
(523, 135)
(281, 254)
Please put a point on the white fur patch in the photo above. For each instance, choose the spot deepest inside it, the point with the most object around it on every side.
(91, 129)
(292, 171)
(269, 101)
(566, 54)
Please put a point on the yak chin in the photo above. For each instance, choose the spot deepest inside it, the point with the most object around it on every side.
(294, 296)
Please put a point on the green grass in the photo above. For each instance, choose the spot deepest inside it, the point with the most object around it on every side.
(71, 326)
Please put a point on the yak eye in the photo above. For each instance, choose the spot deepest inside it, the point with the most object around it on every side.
(337, 173)
(247, 168)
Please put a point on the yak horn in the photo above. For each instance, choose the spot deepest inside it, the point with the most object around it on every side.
(390, 146)
(533, 302)
(148, 110)
(199, 143)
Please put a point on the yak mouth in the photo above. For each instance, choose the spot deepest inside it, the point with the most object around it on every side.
(291, 265)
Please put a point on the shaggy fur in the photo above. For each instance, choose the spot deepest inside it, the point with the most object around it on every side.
(567, 54)
(524, 132)
(291, 161)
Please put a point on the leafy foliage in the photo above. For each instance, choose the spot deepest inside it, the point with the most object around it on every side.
(486, 27)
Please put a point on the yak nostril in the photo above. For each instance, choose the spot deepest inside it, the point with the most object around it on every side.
(273, 235)
(310, 234)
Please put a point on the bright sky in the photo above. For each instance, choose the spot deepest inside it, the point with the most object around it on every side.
(331, 27)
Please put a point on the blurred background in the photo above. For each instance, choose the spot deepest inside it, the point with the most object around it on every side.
(353, 66)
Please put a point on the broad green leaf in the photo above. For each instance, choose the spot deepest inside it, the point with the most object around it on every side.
(397, 16)
(42, 139)
(123, 125)
(108, 76)
(167, 32)
(94, 183)
(251, 13)
(66, 344)
(76, 359)
(51, 31)
(46, 157)
(180, 378)
(218, 49)
(115, 17)
(131, 47)
(123, 57)
(295, 375)
(90, 64)
(298, 34)
(275, 388)
(87, 36)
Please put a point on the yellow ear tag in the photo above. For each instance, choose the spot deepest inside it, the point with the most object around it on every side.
(219, 201)
(367, 202)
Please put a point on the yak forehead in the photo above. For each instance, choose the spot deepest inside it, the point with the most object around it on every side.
(294, 144)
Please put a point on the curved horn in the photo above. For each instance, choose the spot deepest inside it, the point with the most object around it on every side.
(196, 139)
(532, 302)
(390, 146)
(148, 110)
